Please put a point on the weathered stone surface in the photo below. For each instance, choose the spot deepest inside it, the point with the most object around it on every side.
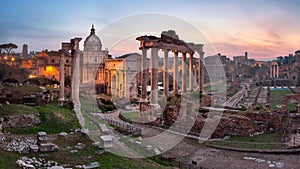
(268, 119)
(234, 125)
(92, 165)
(21, 145)
(21, 120)
(34, 148)
(48, 147)
(32, 163)
(62, 135)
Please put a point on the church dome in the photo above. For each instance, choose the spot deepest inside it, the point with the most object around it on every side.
(92, 42)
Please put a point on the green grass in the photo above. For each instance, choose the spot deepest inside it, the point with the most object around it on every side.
(270, 137)
(86, 155)
(131, 115)
(276, 98)
(3, 162)
(54, 119)
(13, 109)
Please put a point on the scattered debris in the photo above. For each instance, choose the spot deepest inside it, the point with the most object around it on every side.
(62, 135)
(271, 164)
(32, 163)
(92, 165)
(21, 145)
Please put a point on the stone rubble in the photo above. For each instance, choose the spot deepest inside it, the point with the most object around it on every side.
(37, 163)
(21, 145)
(2, 139)
(92, 165)
(271, 164)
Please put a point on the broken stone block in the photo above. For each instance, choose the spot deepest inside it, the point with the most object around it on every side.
(62, 135)
(92, 165)
(48, 147)
(42, 134)
(34, 148)
(106, 141)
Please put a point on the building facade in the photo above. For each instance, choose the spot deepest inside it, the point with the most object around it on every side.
(122, 75)
(92, 61)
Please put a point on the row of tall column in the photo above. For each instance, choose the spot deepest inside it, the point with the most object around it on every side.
(154, 73)
(274, 71)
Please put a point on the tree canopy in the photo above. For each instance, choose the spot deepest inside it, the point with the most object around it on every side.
(7, 47)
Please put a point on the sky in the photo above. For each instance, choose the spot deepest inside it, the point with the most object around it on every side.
(263, 28)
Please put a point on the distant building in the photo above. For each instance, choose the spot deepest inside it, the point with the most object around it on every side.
(25, 51)
(46, 64)
(219, 66)
(122, 75)
(92, 62)
(241, 59)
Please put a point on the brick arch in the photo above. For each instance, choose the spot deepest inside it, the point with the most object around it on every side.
(290, 97)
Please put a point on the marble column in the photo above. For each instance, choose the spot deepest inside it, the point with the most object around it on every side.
(201, 72)
(124, 83)
(109, 83)
(61, 98)
(183, 75)
(145, 73)
(277, 71)
(175, 76)
(76, 75)
(154, 76)
(117, 84)
(191, 72)
(166, 76)
(271, 73)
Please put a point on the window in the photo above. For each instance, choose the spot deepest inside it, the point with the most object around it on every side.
(52, 60)
(67, 61)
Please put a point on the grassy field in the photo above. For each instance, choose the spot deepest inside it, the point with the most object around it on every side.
(276, 97)
(54, 119)
(271, 137)
(133, 116)
(13, 109)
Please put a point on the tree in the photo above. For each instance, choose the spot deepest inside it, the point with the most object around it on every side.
(7, 48)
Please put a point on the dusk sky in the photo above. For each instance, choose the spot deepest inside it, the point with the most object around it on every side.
(263, 28)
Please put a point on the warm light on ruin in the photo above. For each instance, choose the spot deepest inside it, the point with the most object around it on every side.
(31, 76)
(49, 68)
